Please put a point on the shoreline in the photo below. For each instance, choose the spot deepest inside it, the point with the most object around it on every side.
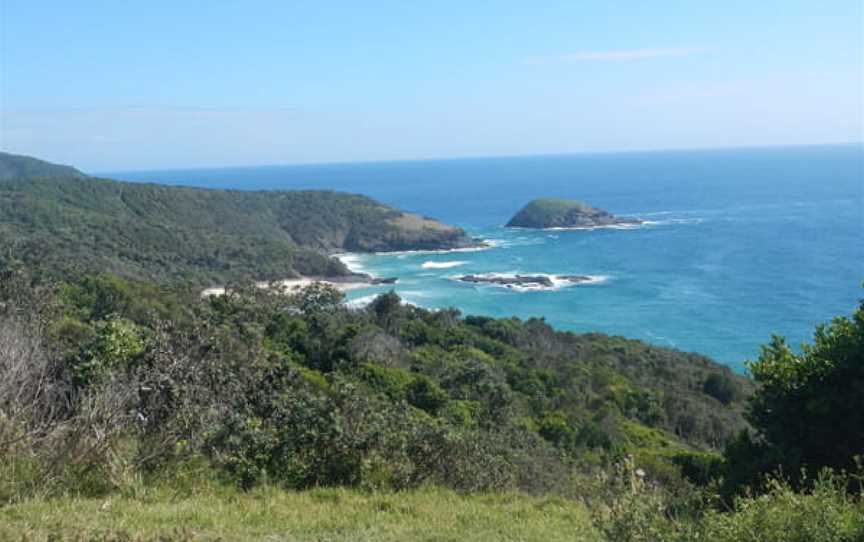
(356, 280)
(488, 244)
(349, 259)
(343, 284)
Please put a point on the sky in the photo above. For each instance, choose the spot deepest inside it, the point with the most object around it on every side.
(108, 85)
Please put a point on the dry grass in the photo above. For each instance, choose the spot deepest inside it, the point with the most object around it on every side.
(411, 222)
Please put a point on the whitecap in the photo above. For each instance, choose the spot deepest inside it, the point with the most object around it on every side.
(487, 244)
(660, 213)
(351, 261)
(363, 302)
(412, 293)
(442, 265)
(673, 221)
(660, 339)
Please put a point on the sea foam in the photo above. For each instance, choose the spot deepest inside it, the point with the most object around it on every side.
(488, 244)
(352, 262)
(673, 221)
(364, 301)
(442, 265)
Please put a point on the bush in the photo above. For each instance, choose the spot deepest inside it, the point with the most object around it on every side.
(425, 394)
(808, 409)
(722, 388)
(826, 513)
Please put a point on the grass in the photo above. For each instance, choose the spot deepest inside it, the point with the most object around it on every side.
(416, 223)
(558, 205)
(211, 512)
(316, 515)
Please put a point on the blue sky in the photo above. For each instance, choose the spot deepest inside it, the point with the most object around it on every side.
(155, 84)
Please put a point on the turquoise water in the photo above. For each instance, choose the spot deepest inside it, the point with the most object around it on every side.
(739, 244)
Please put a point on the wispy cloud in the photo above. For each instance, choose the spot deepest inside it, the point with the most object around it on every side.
(616, 55)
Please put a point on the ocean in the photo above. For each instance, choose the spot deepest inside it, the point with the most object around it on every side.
(738, 244)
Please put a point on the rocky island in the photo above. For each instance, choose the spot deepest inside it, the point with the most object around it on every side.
(534, 282)
(563, 213)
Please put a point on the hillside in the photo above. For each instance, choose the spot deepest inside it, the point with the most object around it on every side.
(130, 411)
(15, 166)
(303, 391)
(67, 223)
(563, 213)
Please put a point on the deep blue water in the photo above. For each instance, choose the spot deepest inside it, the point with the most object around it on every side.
(742, 243)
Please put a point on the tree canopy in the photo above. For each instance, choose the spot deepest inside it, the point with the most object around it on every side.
(808, 408)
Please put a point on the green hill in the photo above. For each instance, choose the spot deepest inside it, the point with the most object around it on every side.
(15, 166)
(57, 219)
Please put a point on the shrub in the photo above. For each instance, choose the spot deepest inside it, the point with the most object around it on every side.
(722, 388)
(425, 394)
(825, 513)
(808, 409)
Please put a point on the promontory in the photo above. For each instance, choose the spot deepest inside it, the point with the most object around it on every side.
(564, 213)
(63, 222)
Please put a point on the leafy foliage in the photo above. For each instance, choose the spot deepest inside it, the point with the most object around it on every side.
(113, 384)
(808, 409)
(301, 391)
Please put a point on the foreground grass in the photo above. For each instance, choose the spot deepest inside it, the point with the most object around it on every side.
(319, 515)
(209, 512)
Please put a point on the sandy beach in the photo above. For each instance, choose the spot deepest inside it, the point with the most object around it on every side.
(292, 285)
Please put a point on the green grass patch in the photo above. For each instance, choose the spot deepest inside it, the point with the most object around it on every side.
(650, 439)
(319, 515)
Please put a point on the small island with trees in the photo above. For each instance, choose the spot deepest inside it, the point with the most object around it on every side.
(544, 213)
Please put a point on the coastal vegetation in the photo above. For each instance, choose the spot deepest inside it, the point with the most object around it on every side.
(564, 213)
(300, 390)
(129, 402)
(60, 222)
(133, 408)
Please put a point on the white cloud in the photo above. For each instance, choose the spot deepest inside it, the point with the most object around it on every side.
(616, 56)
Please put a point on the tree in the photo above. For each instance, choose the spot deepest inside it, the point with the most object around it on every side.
(809, 408)
(722, 387)
(388, 311)
(319, 297)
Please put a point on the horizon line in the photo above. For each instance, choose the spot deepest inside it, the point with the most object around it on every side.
(483, 157)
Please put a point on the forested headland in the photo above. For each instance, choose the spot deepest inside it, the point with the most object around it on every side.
(63, 223)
